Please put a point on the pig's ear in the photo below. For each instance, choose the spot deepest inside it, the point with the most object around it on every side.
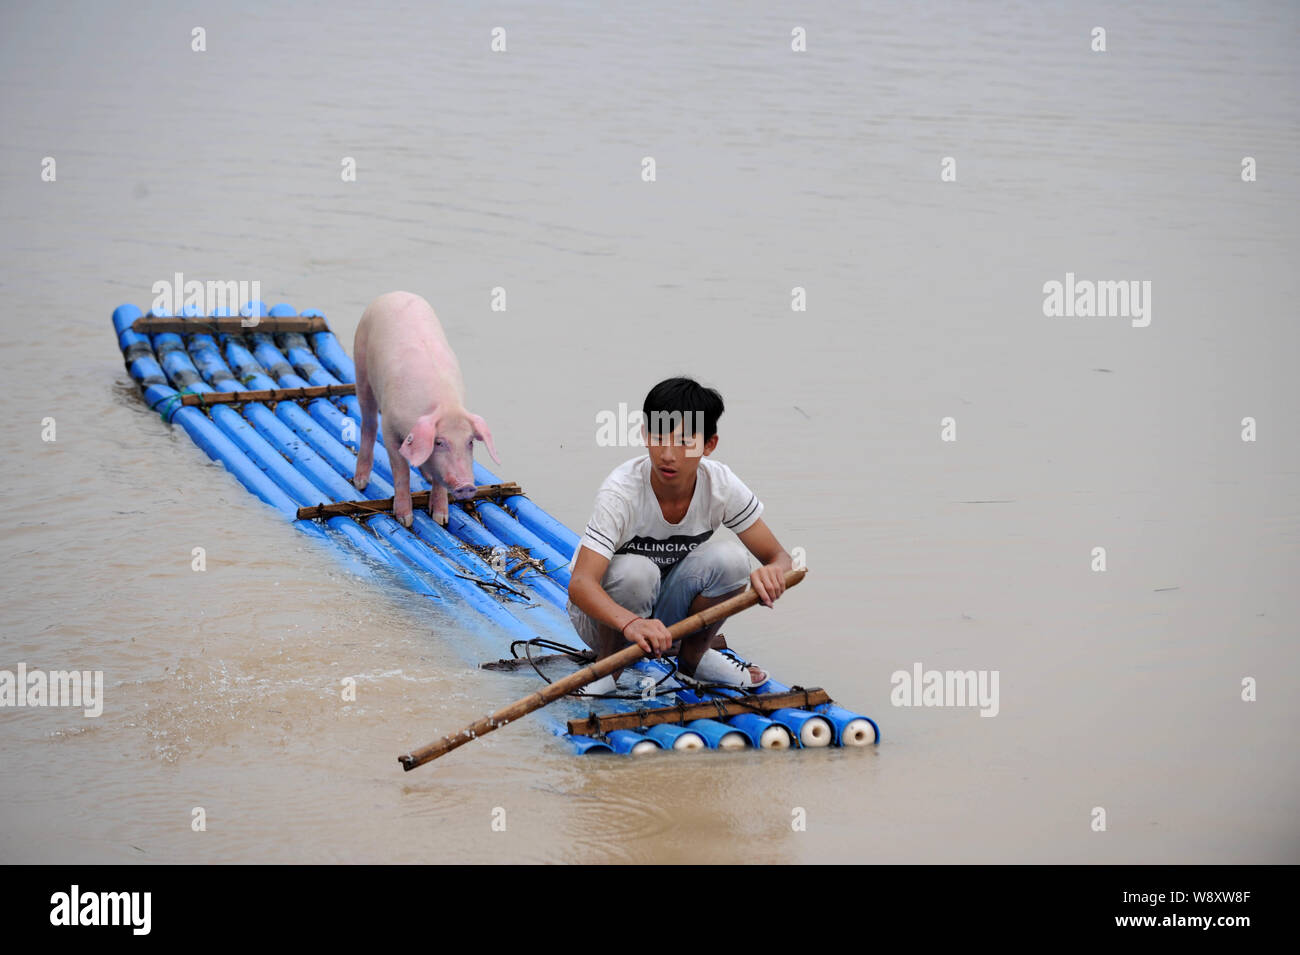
(483, 433)
(419, 443)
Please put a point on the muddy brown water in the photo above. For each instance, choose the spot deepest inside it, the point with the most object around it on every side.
(775, 170)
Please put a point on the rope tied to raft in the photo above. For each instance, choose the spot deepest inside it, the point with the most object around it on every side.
(719, 707)
(367, 507)
(171, 403)
(721, 700)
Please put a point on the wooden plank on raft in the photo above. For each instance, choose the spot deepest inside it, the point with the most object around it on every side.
(716, 708)
(229, 324)
(268, 394)
(419, 501)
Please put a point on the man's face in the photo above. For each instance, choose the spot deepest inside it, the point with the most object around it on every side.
(674, 457)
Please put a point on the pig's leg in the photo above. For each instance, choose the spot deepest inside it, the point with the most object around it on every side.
(369, 428)
(438, 504)
(401, 482)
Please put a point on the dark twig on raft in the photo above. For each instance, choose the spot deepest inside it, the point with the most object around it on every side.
(493, 583)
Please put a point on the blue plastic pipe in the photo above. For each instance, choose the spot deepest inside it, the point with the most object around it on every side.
(670, 736)
(719, 735)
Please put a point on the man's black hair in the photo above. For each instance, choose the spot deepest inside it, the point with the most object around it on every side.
(682, 400)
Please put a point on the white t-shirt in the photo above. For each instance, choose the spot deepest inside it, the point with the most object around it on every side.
(627, 519)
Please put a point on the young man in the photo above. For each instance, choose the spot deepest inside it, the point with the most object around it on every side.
(648, 557)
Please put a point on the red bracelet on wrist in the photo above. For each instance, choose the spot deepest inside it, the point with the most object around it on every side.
(628, 624)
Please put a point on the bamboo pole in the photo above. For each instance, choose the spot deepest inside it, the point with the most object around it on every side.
(419, 502)
(588, 674)
(267, 394)
(229, 324)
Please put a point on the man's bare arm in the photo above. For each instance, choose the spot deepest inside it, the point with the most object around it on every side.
(589, 596)
(768, 581)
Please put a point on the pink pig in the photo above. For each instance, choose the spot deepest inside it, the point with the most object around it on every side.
(407, 371)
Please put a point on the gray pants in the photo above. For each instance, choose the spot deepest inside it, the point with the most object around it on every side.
(716, 567)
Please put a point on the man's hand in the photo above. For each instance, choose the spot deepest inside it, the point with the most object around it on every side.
(768, 582)
(650, 635)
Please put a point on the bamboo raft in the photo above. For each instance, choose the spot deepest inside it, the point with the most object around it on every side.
(271, 395)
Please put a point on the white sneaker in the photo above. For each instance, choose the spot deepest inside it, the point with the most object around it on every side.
(722, 668)
(600, 687)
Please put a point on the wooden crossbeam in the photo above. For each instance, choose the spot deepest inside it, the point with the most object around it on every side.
(229, 324)
(419, 501)
(267, 394)
(594, 724)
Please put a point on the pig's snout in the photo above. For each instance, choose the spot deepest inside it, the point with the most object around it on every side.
(463, 492)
